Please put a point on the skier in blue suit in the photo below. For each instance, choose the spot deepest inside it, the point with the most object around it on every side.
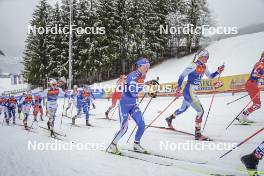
(128, 106)
(84, 98)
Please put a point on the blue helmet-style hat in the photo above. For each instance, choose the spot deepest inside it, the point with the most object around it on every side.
(142, 61)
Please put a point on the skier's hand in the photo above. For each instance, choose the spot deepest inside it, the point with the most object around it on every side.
(178, 92)
(220, 69)
(152, 94)
(94, 106)
(152, 82)
(217, 84)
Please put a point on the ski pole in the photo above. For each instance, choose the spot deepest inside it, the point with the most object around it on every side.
(244, 141)
(142, 116)
(211, 104)
(161, 113)
(240, 112)
(236, 100)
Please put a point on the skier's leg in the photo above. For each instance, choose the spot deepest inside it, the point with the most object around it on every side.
(25, 114)
(123, 116)
(69, 105)
(137, 116)
(254, 94)
(14, 115)
(35, 112)
(86, 112)
(52, 108)
(41, 112)
(79, 110)
(9, 115)
(114, 101)
(196, 104)
(183, 108)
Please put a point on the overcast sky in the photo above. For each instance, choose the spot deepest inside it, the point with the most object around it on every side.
(16, 14)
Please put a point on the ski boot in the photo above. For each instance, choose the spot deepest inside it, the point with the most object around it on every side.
(106, 114)
(73, 120)
(52, 132)
(87, 123)
(14, 122)
(138, 148)
(7, 121)
(169, 120)
(48, 124)
(25, 125)
(243, 118)
(251, 163)
(113, 149)
(198, 134)
(35, 119)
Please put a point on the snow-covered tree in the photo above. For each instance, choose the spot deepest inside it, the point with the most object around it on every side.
(36, 55)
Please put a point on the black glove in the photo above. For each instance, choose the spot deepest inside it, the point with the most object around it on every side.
(94, 106)
(152, 94)
(152, 82)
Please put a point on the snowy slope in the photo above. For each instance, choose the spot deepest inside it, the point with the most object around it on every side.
(240, 54)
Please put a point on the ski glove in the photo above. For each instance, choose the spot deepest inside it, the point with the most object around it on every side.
(221, 69)
(152, 82)
(178, 92)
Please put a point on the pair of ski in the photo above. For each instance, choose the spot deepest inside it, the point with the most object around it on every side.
(29, 129)
(154, 158)
(178, 131)
(55, 135)
(104, 118)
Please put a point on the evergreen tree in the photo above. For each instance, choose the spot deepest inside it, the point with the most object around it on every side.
(36, 55)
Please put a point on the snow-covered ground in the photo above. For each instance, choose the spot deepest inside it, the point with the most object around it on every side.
(239, 53)
(17, 160)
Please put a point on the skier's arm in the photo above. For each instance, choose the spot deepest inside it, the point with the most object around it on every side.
(185, 73)
(211, 75)
(258, 72)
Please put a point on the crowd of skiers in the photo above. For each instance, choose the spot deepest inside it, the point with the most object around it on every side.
(128, 107)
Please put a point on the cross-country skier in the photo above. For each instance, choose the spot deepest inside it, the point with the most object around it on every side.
(128, 107)
(26, 102)
(83, 104)
(52, 94)
(72, 97)
(117, 94)
(37, 106)
(251, 161)
(195, 73)
(253, 90)
(11, 106)
(4, 104)
(19, 105)
(1, 103)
